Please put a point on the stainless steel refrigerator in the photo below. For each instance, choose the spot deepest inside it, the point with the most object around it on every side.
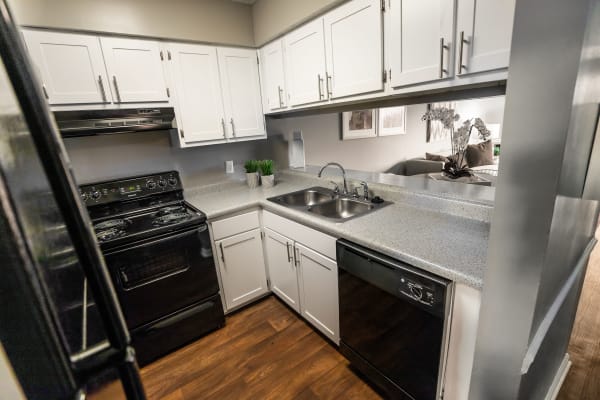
(60, 323)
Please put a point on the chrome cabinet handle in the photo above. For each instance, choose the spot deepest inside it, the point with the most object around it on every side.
(232, 127)
(102, 91)
(279, 90)
(461, 66)
(320, 82)
(287, 245)
(296, 256)
(45, 92)
(329, 86)
(223, 125)
(117, 88)
(442, 48)
(222, 252)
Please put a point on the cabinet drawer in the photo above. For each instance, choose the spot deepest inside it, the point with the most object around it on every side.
(234, 225)
(309, 237)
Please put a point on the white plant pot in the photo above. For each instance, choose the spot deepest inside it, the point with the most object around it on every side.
(268, 181)
(252, 179)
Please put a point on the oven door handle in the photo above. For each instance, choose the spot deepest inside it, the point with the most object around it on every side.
(196, 230)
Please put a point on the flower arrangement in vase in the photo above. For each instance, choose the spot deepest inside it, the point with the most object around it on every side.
(251, 167)
(456, 165)
(266, 171)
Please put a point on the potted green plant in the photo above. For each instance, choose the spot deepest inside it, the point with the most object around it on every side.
(266, 170)
(251, 167)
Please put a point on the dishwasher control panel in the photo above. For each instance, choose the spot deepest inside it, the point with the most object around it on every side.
(417, 291)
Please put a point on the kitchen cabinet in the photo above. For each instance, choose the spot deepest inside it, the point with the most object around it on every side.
(194, 71)
(353, 44)
(70, 66)
(240, 258)
(319, 290)
(242, 268)
(420, 41)
(273, 73)
(135, 70)
(241, 92)
(282, 268)
(303, 271)
(305, 64)
(484, 33)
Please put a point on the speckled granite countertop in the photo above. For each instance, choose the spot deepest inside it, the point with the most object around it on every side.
(448, 238)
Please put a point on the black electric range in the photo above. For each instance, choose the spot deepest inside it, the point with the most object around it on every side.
(158, 251)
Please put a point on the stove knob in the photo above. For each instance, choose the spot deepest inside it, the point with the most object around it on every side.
(96, 195)
(150, 185)
(162, 183)
(85, 196)
(417, 292)
(172, 181)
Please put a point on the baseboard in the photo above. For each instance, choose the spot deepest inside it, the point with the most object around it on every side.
(559, 378)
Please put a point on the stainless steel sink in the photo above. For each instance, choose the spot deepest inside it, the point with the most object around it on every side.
(305, 198)
(325, 203)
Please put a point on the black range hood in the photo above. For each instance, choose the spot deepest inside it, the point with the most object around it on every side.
(110, 122)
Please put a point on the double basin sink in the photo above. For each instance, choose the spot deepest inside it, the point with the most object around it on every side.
(325, 203)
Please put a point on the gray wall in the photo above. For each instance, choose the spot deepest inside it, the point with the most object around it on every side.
(105, 157)
(322, 137)
(271, 18)
(216, 21)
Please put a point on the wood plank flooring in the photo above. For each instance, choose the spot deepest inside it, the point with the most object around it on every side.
(266, 351)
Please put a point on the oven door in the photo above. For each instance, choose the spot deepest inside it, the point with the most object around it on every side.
(157, 277)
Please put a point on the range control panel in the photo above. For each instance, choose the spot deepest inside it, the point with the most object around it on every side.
(130, 188)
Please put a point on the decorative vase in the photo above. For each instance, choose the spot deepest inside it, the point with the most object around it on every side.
(268, 181)
(252, 179)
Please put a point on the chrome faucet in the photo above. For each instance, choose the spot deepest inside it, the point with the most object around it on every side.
(365, 190)
(345, 191)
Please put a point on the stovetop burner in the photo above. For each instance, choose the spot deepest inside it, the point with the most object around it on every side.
(171, 218)
(118, 223)
(178, 209)
(109, 234)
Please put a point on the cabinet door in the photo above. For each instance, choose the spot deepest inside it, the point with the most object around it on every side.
(485, 27)
(135, 70)
(282, 268)
(242, 267)
(420, 42)
(305, 64)
(195, 73)
(70, 66)
(273, 75)
(353, 43)
(319, 291)
(241, 92)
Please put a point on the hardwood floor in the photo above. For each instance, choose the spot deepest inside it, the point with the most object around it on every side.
(583, 380)
(266, 351)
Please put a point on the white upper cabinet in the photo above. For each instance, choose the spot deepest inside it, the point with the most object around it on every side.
(420, 41)
(273, 73)
(353, 43)
(135, 70)
(70, 66)
(484, 33)
(195, 73)
(241, 92)
(305, 64)
(282, 268)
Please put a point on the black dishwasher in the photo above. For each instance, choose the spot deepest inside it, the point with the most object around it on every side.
(392, 322)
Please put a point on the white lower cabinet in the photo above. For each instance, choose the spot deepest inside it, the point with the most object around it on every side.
(282, 268)
(242, 268)
(319, 291)
(304, 275)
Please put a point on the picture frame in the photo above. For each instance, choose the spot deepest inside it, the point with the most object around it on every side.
(359, 124)
(391, 121)
(435, 131)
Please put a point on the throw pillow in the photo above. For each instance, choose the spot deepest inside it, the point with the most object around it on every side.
(435, 157)
(480, 154)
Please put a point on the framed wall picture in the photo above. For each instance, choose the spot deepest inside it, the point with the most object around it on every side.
(435, 129)
(392, 121)
(359, 124)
